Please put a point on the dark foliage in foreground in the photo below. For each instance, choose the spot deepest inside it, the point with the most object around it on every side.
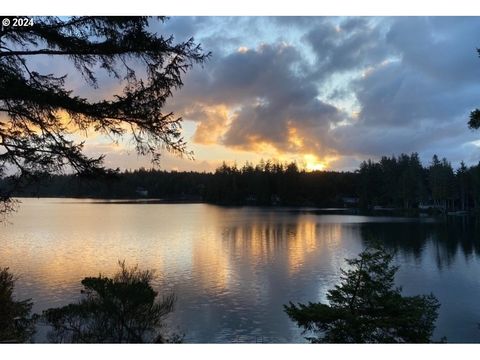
(16, 323)
(367, 308)
(122, 309)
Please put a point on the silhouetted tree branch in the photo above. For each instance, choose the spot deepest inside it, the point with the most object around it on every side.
(38, 114)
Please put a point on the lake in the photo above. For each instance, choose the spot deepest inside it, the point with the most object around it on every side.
(233, 268)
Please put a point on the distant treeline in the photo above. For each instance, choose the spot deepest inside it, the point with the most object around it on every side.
(393, 182)
(403, 182)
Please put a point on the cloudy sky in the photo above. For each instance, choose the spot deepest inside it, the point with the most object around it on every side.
(325, 92)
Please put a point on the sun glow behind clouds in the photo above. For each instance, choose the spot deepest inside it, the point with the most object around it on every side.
(315, 166)
(312, 163)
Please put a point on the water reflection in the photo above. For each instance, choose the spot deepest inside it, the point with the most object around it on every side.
(448, 237)
(233, 268)
(261, 242)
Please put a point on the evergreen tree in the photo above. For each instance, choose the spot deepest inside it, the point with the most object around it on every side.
(39, 112)
(370, 183)
(463, 185)
(389, 189)
(441, 179)
(122, 309)
(16, 323)
(475, 178)
(474, 122)
(410, 179)
(367, 308)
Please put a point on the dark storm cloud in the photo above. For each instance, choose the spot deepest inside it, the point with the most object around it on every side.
(337, 43)
(421, 100)
(442, 48)
(347, 45)
(397, 95)
(270, 97)
(414, 81)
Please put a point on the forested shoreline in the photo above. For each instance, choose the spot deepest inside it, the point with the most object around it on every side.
(396, 182)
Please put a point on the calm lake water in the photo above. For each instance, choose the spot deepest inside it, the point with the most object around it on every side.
(232, 269)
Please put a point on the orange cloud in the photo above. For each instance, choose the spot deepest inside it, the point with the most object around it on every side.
(213, 125)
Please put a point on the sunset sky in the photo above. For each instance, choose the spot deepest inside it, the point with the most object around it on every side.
(325, 92)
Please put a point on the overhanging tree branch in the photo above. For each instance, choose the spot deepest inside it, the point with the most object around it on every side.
(34, 131)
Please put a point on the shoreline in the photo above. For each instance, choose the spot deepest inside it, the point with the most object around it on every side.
(308, 208)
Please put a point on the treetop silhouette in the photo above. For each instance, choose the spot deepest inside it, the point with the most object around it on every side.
(119, 309)
(366, 307)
